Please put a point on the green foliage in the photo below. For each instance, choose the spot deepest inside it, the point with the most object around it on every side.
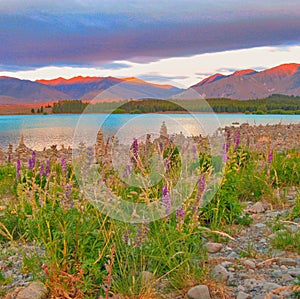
(274, 104)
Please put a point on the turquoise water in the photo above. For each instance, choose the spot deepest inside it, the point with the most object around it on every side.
(45, 130)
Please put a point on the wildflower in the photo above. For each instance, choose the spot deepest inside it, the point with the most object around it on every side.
(166, 200)
(63, 164)
(201, 184)
(180, 213)
(135, 150)
(31, 161)
(128, 170)
(68, 202)
(225, 152)
(180, 218)
(47, 167)
(18, 169)
(42, 171)
(237, 139)
(141, 234)
(228, 134)
(168, 164)
(270, 157)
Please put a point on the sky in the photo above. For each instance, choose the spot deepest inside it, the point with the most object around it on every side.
(178, 42)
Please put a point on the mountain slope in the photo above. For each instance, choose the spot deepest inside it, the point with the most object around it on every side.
(87, 88)
(249, 84)
(16, 91)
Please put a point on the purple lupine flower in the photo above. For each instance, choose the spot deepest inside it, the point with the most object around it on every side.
(194, 149)
(135, 150)
(166, 200)
(9, 158)
(128, 170)
(142, 234)
(42, 170)
(180, 213)
(225, 152)
(68, 196)
(168, 164)
(201, 184)
(237, 139)
(63, 164)
(228, 134)
(47, 167)
(126, 237)
(18, 169)
(270, 157)
(31, 161)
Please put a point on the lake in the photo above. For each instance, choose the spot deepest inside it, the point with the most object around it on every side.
(45, 130)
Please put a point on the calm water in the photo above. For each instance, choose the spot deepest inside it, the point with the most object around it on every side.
(46, 130)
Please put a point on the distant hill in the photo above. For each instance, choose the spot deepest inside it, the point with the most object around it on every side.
(241, 85)
(16, 91)
(250, 84)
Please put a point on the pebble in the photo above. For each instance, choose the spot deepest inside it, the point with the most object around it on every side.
(242, 295)
(257, 208)
(213, 247)
(287, 261)
(199, 292)
(249, 264)
(220, 273)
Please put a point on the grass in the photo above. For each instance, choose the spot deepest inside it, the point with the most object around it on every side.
(90, 255)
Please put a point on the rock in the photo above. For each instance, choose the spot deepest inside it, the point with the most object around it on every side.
(287, 278)
(287, 261)
(213, 247)
(249, 264)
(220, 273)
(14, 293)
(242, 295)
(244, 276)
(36, 290)
(270, 286)
(253, 284)
(260, 225)
(199, 292)
(295, 272)
(257, 208)
(233, 255)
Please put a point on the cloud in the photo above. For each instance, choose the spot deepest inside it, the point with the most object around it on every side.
(160, 78)
(115, 66)
(93, 33)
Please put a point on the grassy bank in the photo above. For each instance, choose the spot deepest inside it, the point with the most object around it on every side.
(88, 254)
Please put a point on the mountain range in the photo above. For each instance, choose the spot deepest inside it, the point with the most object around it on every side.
(241, 85)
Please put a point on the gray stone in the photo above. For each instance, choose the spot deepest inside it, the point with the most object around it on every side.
(36, 290)
(287, 278)
(277, 273)
(249, 264)
(287, 261)
(270, 286)
(213, 247)
(295, 272)
(242, 295)
(199, 292)
(260, 225)
(253, 284)
(220, 273)
(257, 208)
(233, 255)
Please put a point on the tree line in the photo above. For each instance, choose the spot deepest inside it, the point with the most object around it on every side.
(274, 104)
